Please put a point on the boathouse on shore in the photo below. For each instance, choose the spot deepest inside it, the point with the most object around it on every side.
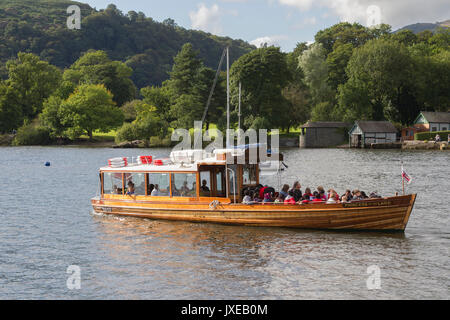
(432, 121)
(323, 134)
(427, 122)
(365, 133)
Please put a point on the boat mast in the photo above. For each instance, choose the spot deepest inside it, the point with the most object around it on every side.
(228, 95)
(239, 113)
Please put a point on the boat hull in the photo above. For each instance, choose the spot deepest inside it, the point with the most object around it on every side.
(376, 214)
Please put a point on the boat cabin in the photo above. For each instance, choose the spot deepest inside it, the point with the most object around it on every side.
(191, 175)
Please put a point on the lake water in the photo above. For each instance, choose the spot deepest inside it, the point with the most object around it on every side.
(47, 225)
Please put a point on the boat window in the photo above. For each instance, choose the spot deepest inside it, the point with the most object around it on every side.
(112, 183)
(159, 184)
(205, 183)
(138, 180)
(232, 182)
(184, 185)
(249, 174)
(220, 184)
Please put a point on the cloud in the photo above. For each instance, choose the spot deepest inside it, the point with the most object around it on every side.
(270, 40)
(305, 22)
(207, 19)
(396, 13)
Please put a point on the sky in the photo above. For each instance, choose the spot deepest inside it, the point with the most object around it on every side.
(282, 23)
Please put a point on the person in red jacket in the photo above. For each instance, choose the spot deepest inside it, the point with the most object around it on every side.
(317, 197)
(290, 199)
(261, 192)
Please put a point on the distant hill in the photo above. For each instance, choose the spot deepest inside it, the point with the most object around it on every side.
(146, 45)
(419, 27)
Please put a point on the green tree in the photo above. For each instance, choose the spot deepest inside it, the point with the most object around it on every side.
(147, 124)
(314, 66)
(34, 81)
(296, 92)
(96, 68)
(10, 109)
(51, 116)
(188, 90)
(352, 33)
(264, 74)
(184, 71)
(337, 62)
(160, 98)
(407, 37)
(431, 78)
(88, 109)
(380, 76)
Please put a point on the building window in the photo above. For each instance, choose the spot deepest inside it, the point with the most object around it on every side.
(184, 185)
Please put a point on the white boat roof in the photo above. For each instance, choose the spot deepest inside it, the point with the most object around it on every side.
(171, 167)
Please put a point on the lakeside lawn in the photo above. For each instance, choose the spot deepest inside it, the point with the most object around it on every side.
(111, 135)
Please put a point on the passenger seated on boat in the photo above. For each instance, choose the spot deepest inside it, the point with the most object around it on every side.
(333, 194)
(297, 191)
(255, 197)
(290, 198)
(116, 190)
(279, 199)
(204, 189)
(155, 191)
(317, 197)
(374, 195)
(131, 189)
(204, 186)
(332, 198)
(306, 198)
(321, 191)
(347, 196)
(151, 186)
(357, 195)
(267, 198)
(308, 194)
(262, 191)
(285, 191)
(247, 199)
(364, 195)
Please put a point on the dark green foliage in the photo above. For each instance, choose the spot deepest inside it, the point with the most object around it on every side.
(146, 125)
(431, 135)
(147, 46)
(264, 73)
(129, 110)
(10, 109)
(34, 81)
(345, 32)
(32, 134)
(95, 67)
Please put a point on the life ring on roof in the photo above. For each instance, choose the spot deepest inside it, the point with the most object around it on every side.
(145, 160)
(118, 162)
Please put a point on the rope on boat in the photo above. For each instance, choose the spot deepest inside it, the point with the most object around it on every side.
(214, 204)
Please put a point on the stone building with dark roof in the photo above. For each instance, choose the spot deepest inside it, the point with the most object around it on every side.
(323, 134)
(364, 133)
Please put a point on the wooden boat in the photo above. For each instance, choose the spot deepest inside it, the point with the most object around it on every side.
(210, 189)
